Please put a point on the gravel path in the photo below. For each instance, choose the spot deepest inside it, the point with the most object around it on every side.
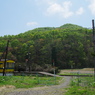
(46, 90)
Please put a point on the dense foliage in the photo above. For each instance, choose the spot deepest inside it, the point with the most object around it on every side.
(70, 46)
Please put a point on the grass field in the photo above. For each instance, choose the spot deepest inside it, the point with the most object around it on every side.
(28, 81)
(81, 86)
(76, 73)
(78, 85)
(84, 71)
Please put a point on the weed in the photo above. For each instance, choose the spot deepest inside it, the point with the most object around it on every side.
(27, 81)
(82, 86)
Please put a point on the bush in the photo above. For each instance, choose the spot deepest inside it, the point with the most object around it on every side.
(45, 68)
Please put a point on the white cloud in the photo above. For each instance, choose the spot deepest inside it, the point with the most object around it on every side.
(92, 6)
(60, 9)
(32, 23)
(54, 8)
(80, 11)
(66, 9)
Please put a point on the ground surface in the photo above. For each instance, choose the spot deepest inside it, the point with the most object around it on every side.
(46, 90)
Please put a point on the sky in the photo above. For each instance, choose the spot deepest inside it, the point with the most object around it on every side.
(19, 16)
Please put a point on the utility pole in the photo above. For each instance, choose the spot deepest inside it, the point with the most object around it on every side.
(4, 68)
(54, 57)
(93, 29)
(28, 60)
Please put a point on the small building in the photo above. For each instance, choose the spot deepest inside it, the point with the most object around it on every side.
(9, 65)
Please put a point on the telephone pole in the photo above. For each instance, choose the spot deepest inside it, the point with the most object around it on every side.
(6, 53)
(93, 29)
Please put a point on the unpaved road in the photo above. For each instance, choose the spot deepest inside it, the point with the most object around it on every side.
(46, 90)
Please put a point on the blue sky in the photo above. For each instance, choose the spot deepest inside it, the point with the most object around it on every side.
(19, 16)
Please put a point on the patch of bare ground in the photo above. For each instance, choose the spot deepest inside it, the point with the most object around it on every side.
(6, 88)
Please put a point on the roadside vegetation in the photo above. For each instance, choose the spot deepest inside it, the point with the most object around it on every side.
(81, 86)
(28, 81)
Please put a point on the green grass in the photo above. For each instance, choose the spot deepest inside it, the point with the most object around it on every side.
(81, 86)
(75, 73)
(49, 80)
(28, 81)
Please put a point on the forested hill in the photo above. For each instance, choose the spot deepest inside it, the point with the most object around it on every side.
(71, 46)
(71, 26)
(65, 26)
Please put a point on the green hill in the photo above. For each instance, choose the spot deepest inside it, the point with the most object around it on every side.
(71, 26)
(45, 29)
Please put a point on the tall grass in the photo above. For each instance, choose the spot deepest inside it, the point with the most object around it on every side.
(82, 86)
(27, 81)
